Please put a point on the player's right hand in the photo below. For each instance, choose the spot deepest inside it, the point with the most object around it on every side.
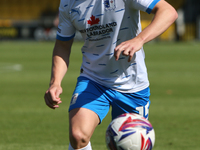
(128, 48)
(52, 96)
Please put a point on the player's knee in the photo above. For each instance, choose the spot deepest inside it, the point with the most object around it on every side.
(78, 139)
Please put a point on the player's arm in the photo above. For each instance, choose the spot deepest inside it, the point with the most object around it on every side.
(164, 16)
(60, 63)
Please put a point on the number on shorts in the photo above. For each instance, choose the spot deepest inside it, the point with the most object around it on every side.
(144, 110)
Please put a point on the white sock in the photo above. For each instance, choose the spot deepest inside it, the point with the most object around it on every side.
(88, 147)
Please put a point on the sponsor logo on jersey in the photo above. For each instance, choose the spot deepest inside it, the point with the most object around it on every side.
(97, 29)
(109, 4)
(93, 20)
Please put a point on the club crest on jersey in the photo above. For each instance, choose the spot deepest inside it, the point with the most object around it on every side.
(109, 4)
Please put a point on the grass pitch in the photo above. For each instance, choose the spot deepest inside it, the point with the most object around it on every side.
(26, 123)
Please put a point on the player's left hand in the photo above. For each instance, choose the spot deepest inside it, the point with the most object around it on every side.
(128, 48)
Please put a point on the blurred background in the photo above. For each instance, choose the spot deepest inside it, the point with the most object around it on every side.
(27, 34)
(24, 19)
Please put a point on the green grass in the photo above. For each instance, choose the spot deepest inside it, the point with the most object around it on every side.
(26, 123)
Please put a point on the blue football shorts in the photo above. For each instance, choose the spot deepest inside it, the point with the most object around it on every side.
(91, 95)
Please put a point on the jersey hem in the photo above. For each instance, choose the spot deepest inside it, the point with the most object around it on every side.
(139, 88)
(61, 38)
(151, 6)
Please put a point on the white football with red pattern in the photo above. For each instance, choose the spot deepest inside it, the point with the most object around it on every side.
(130, 132)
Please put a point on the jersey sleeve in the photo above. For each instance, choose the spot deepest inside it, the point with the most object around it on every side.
(66, 30)
(144, 5)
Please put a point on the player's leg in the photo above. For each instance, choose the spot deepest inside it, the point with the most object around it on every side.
(82, 125)
(87, 109)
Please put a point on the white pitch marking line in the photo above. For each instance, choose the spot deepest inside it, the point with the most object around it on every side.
(10, 67)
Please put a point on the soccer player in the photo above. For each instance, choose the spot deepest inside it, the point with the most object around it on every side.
(113, 71)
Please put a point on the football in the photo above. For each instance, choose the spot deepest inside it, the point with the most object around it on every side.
(130, 131)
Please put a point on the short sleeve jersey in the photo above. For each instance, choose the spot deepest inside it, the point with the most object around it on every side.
(104, 24)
